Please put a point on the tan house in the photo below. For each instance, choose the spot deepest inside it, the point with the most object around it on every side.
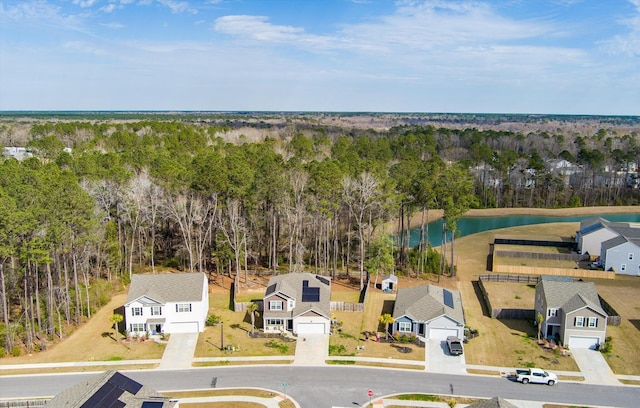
(299, 303)
(571, 312)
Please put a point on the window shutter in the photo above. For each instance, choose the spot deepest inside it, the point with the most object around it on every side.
(596, 322)
(575, 321)
(189, 306)
(176, 308)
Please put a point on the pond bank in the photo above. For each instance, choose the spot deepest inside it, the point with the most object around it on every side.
(416, 220)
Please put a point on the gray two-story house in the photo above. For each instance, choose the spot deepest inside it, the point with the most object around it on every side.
(571, 312)
(299, 303)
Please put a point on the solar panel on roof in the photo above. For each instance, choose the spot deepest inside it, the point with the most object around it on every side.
(311, 294)
(448, 298)
(305, 284)
(125, 383)
(152, 404)
(323, 280)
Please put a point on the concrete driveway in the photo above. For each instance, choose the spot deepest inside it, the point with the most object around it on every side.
(311, 349)
(178, 353)
(440, 361)
(593, 367)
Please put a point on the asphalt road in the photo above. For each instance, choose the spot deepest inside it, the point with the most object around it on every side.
(337, 386)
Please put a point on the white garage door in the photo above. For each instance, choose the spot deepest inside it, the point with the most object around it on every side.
(184, 327)
(311, 328)
(436, 333)
(583, 342)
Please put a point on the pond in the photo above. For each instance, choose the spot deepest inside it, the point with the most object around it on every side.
(472, 225)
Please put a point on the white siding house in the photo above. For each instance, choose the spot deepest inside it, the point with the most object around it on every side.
(621, 255)
(167, 303)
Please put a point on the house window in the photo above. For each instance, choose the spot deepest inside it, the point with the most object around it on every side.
(136, 311)
(623, 267)
(156, 310)
(593, 322)
(275, 322)
(275, 305)
(183, 307)
(631, 256)
(579, 321)
(553, 312)
(138, 327)
(404, 327)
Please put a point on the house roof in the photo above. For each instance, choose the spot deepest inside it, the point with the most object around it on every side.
(291, 286)
(613, 242)
(495, 402)
(570, 296)
(426, 302)
(110, 389)
(167, 287)
(628, 230)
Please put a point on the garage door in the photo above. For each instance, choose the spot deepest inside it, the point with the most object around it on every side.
(583, 342)
(436, 333)
(311, 328)
(184, 327)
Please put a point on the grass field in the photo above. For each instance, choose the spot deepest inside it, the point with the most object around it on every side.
(94, 341)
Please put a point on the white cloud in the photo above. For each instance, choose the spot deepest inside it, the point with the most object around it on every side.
(257, 28)
(108, 8)
(627, 44)
(178, 6)
(115, 26)
(84, 47)
(84, 3)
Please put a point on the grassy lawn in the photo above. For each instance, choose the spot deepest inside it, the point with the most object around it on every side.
(508, 295)
(237, 326)
(511, 337)
(622, 294)
(94, 341)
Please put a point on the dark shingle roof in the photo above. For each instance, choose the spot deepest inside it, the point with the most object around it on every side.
(168, 287)
(426, 302)
(570, 296)
(290, 285)
(109, 389)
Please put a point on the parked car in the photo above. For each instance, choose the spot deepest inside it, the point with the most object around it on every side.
(536, 376)
(455, 345)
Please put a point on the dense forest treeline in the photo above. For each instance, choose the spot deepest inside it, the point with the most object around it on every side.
(95, 201)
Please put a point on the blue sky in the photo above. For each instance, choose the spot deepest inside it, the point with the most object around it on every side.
(509, 56)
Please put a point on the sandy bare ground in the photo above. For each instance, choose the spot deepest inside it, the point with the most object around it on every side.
(433, 215)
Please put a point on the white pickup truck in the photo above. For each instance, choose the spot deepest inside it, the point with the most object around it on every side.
(536, 376)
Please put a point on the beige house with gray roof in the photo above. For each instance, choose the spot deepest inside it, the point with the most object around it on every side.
(428, 311)
(167, 303)
(299, 303)
(571, 312)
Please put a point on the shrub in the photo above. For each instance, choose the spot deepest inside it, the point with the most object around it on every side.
(2, 352)
(605, 348)
(212, 320)
(16, 352)
(281, 347)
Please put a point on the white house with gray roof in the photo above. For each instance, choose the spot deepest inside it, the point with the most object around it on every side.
(167, 303)
(571, 312)
(428, 311)
(621, 254)
(616, 244)
(299, 303)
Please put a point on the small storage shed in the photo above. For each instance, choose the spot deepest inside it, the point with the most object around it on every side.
(389, 283)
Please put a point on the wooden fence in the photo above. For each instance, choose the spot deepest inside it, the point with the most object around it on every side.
(242, 306)
(533, 270)
(613, 318)
(347, 307)
(497, 277)
(542, 255)
(22, 404)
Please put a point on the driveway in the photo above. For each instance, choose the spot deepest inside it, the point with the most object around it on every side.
(593, 367)
(311, 349)
(440, 361)
(178, 353)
